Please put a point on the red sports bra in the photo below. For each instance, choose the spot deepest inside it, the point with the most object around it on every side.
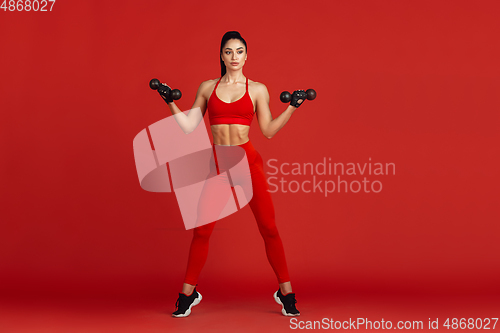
(238, 112)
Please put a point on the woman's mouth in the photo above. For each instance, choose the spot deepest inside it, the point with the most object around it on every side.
(234, 63)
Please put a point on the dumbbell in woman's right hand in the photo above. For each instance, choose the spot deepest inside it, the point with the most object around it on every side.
(165, 91)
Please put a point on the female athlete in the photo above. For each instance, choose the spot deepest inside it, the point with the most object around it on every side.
(231, 101)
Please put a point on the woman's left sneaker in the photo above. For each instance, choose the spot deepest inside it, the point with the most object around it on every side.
(287, 303)
(185, 303)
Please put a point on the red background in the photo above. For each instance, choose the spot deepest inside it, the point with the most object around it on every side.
(410, 83)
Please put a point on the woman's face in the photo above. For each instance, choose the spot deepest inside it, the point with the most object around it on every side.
(234, 54)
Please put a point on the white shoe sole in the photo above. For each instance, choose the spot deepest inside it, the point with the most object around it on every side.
(277, 299)
(196, 301)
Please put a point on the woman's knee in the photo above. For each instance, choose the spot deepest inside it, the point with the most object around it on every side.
(203, 231)
(269, 231)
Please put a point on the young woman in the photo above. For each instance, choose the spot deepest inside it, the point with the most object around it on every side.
(232, 100)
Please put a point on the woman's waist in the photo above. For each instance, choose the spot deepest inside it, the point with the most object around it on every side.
(229, 154)
(247, 145)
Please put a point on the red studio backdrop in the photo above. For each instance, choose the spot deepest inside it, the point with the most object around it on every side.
(407, 102)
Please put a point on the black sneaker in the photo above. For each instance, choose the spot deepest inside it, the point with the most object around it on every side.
(287, 302)
(185, 303)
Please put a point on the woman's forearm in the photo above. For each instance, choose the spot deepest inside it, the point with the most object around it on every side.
(276, 124)
(174, 108)
(188, 122)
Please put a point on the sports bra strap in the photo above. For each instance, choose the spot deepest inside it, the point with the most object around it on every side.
(217, 83)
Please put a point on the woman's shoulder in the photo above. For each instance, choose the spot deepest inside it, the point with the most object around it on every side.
(209, 83)
(256, 84)
(256, 87)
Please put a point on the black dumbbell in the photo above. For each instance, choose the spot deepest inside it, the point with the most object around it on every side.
(175, 93)
(286, 97)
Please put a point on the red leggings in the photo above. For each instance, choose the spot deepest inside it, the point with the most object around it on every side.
(263, 210)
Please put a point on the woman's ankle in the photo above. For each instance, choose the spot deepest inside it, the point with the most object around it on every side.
(285, 288)
(187, 289)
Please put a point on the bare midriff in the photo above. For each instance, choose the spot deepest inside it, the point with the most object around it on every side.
(230, 134)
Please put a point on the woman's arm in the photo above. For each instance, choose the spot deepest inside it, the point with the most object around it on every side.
(189, 122)
(267, 124)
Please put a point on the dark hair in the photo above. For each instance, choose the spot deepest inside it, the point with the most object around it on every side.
(227, 36)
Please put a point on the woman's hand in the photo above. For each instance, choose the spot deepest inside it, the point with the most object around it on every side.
(298, 97)
(165, 92)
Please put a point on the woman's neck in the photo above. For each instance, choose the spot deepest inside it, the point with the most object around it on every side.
(233, 77)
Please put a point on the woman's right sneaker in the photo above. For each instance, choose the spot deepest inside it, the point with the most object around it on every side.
(185, 303)
(287, 303)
